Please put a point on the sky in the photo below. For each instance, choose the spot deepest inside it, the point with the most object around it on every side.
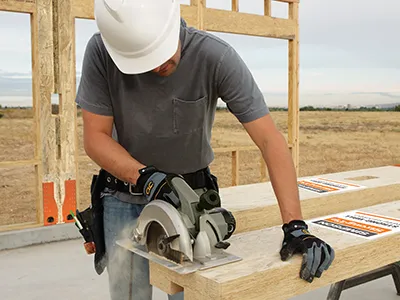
(348, 52)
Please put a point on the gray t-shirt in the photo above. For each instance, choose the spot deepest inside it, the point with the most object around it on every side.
(167, 121)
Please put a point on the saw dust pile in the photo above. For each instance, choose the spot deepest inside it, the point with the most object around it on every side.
(329, 142)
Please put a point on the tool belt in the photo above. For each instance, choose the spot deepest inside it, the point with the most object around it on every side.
(196, 180)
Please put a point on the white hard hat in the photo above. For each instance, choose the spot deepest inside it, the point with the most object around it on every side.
(139, 35)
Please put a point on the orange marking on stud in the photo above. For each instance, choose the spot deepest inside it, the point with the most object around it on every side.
(50, 210)
(69, 200)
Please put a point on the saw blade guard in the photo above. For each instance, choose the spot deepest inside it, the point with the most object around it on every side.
(170, 220)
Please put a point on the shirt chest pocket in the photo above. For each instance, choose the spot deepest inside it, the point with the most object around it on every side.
(189, 115)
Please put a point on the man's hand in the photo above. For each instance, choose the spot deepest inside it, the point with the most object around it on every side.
(317, 255)
(156, 185)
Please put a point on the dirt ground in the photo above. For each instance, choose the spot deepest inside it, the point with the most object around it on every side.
(329, 142)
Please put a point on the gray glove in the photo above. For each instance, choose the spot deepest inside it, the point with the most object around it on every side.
(317, 255)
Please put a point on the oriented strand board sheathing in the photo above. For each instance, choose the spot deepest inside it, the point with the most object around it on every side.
(261, 275)
(255, 205)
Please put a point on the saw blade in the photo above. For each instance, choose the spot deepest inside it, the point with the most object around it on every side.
(158, 242)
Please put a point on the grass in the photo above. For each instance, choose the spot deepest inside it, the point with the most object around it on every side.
(329, 142)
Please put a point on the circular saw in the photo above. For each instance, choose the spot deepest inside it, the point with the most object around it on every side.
(186, 231)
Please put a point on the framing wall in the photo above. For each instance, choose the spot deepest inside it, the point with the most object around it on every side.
(56, 157)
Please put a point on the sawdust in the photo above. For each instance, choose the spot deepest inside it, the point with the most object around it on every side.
(181, 263)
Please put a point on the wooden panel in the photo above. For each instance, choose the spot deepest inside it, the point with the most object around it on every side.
(255, 206)
(23, 6)
(293, 101)
(261, 266)
(248, 24)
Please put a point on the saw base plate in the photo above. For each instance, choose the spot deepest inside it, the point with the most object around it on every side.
(186, 267)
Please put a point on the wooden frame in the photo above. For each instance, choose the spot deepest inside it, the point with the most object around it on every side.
(53, 66)
(54, 134)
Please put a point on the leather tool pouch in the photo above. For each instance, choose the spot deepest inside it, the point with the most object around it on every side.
(212, 181)
(97, 186)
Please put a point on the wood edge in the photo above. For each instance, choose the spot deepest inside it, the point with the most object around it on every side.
(173, 283)
(269, 215)
(286, 279)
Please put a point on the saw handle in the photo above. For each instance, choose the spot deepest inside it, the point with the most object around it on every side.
(209, 200)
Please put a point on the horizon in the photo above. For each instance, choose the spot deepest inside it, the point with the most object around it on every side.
(339, 64)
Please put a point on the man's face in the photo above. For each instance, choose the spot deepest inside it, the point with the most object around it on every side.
(170, 65)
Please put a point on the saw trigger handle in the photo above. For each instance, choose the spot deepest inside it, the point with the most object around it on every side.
(209, 200)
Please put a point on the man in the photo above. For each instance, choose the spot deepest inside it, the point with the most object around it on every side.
(148, 94)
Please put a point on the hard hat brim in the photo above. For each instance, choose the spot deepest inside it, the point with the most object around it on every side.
(154, 59)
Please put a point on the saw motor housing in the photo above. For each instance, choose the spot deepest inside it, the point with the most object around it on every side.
(190, 224)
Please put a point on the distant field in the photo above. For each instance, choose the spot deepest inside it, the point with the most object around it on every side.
(329, 142)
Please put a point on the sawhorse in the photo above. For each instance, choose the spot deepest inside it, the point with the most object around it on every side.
(392, 269)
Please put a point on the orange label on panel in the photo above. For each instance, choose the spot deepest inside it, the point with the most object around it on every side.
(358, 225)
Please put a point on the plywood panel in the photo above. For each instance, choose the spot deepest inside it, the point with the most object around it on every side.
(27, 6)
(261, 266)
(255, 206)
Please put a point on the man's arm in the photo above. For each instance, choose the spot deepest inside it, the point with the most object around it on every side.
(237, 87)
(105, 151)
(280, 165)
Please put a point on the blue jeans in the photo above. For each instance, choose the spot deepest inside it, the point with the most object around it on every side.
(128, 273)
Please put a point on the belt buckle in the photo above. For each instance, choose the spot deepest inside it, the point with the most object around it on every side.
(131, 191)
